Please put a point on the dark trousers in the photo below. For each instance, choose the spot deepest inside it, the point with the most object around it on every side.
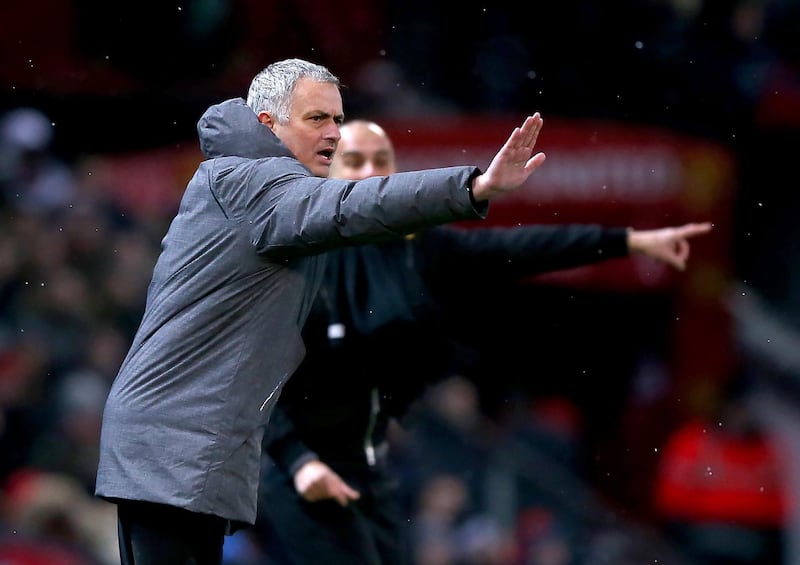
(156, 534)
(369, 531)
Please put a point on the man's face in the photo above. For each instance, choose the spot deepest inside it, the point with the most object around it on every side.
(312, 131)
(364, 151)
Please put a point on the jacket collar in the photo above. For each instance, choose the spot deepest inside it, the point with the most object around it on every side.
(231, 128)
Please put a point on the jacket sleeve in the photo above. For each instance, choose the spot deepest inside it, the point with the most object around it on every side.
(282, 443)
(521, 251)
(289, 213)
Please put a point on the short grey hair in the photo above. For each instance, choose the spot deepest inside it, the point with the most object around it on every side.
(271, 90)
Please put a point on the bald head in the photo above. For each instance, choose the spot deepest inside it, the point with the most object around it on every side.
(364, 150)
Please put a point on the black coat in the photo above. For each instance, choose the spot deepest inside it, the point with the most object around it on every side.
(391, 300)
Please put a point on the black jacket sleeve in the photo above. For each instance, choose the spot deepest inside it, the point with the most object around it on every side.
(510, 253)
(283, 444)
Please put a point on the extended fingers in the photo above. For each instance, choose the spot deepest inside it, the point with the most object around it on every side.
(524, 136)
(530, 130)
(691, 230)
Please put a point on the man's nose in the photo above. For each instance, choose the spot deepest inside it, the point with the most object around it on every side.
(368, 170)
(333, 132)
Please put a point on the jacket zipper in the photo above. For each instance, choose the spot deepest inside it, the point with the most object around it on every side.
(369, 448)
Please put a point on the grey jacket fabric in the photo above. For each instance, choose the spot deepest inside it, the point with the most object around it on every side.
(238, 270)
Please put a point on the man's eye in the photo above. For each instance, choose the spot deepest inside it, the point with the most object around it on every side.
(354, 163)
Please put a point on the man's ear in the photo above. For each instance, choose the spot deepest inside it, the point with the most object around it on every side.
(267, 120)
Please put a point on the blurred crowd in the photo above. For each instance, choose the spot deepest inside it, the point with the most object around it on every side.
(508, 487)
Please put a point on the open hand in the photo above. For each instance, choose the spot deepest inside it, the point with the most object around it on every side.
(513, 164)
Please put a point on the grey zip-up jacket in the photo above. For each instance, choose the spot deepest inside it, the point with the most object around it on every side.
(238, 270)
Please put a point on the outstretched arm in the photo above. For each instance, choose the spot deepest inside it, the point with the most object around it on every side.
(670, 245)
(513, 164)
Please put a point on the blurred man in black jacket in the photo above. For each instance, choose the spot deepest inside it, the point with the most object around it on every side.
(380, 321)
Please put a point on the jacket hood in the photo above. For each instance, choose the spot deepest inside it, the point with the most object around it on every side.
(231, 129)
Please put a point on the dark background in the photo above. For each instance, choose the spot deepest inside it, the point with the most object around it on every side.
(121, 77)
(117, 78)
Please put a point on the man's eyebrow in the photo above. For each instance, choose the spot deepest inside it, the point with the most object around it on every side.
(339, 118)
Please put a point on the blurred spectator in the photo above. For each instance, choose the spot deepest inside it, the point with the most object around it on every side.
(69, 441)
(32, 178)
(445, 457)
(63, 525)
(448, 434)
(720, 488)
(23, 372)
(448, 529)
